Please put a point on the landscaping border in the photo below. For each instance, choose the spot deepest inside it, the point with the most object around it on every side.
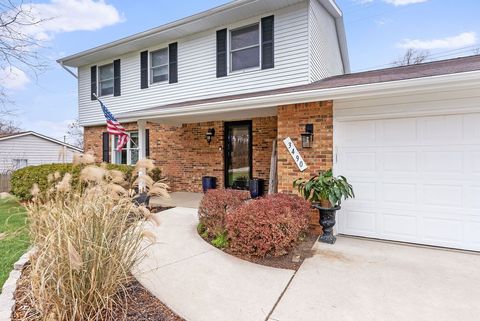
(7, 301)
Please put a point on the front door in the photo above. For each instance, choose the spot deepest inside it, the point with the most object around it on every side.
(238, 154)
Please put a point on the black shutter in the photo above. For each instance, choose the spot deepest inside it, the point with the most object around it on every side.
(116, 77)
(221, 53)
(267, 42)
(93, 82)
(147, 143)
(106, 147)
(144, 69)
(173, 62)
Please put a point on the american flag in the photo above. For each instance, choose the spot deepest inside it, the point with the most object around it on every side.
(114, 127)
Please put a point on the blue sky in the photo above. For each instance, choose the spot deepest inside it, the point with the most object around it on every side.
(378, 32)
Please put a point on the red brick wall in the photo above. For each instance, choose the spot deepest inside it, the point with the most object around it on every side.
(291, 123)
(184, 155)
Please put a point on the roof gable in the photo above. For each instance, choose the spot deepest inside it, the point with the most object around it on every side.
(53, 140)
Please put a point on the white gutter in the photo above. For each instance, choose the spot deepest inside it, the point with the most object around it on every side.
(67, 69)
(409, 86)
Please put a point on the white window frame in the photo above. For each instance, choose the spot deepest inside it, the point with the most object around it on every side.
(150, 67)
(99, 81)
(16, 161)
(128, 147)
(230, 51)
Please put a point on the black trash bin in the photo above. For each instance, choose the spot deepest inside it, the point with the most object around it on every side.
(257, 186)
(209, 182)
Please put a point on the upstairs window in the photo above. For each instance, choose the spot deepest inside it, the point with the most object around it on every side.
(106, 80)
(245, 48)
(159, 65)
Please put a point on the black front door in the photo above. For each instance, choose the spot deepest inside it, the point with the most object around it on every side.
(238, 154)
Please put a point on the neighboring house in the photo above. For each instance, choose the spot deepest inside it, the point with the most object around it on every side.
(30, 148)
(251, 72)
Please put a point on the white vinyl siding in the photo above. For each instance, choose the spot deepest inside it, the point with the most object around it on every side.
(325, 57)
(34, 150)
(197, 69)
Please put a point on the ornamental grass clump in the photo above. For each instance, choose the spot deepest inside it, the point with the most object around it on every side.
(88, 236)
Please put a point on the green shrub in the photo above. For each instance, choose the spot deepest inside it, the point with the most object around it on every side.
(23, 179)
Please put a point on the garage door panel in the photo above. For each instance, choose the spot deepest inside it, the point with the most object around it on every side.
(360, 161)
(401, 225)
(416, 179)
(472, 233)
(405, 161)
(399, 193)
(443, 195)
(441, 129)
(399, 132)
(475, 161)
(445, 231)
(361, 222)
(442, 161)
(473, 198)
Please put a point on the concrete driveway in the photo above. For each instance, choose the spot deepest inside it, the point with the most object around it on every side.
(363, 280)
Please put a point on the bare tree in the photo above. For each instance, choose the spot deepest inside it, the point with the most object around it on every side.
(412, 57)
(75, 134)
(18, 44)
(8, 127)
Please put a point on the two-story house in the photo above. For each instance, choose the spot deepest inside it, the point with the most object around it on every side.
(210, 94)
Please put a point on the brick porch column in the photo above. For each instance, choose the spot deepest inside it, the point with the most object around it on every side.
(291, 123)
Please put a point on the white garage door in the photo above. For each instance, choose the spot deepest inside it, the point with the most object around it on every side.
(416, 179)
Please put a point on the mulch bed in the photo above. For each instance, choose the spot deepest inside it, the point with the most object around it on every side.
(140, 304)
(292, 260)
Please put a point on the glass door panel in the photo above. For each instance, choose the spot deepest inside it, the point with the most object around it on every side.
(238, 154)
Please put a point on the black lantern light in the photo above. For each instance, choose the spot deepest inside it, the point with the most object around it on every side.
(307, 136)
(210, 133)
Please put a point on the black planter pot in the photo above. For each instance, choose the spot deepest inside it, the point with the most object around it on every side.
(142, 199)
(209, 182)
(256, 187)
(327, 221)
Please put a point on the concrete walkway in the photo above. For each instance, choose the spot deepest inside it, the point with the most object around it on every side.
(178, 199)
(201, 283)
(353, 280)
(361, 280)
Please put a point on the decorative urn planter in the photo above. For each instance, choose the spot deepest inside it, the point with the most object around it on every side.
(142, 199)
(327, 221)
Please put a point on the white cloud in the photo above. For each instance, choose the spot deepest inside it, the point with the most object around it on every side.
(403, 2)
(459, 41)
(71, 15)
(13, 78)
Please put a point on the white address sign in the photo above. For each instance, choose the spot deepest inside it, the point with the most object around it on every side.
(295, 154)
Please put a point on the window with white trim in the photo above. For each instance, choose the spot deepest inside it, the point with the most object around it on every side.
(245, 48)
(18, 163)
(129, 154)
(159, 65)
(105, 80)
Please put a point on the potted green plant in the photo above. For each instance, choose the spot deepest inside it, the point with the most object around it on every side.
(326, 193)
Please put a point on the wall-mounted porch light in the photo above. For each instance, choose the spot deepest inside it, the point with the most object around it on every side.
(307, 136)
(209, 135)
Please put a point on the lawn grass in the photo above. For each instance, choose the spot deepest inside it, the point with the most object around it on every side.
(13, 236)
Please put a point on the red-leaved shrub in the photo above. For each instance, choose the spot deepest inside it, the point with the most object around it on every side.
(268, 226)
(215, 205)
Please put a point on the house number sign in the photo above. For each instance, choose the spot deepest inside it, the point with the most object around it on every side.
(295, 154)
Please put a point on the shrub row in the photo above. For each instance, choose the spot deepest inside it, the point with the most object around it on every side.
(268, 226)
(23, 179)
